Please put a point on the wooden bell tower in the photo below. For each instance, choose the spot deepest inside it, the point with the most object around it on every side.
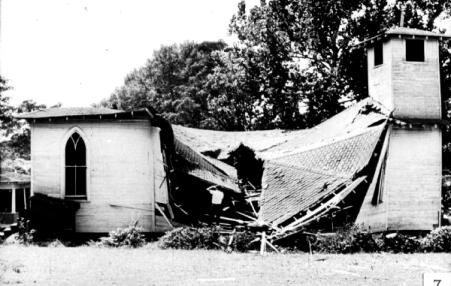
(404, 76)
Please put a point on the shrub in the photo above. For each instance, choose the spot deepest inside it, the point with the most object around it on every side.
(25, 234)
(438, 240)
(130, 237)
(207, 238)
(243, 241)
(191, 238)
(350, 240)
(55, 243)
(397, 242)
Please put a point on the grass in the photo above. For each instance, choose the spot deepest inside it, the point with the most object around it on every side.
(152, 266)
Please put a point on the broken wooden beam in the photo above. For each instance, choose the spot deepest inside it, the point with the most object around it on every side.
(164, 215)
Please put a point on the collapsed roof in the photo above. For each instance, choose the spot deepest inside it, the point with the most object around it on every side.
(305, 168)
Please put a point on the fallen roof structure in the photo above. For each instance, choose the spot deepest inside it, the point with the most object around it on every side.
(301, 176)
(306, 172)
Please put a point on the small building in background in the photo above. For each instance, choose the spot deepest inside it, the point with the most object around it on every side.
(14, 197)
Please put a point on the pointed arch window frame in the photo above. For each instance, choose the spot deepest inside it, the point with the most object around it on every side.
(64, 191)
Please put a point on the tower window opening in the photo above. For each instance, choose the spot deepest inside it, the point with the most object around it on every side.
(378, 54)
(414, 50)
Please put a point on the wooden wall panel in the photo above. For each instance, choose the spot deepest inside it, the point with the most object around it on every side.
(413, 178)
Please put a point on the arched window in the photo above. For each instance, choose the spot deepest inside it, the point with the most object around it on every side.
(75, 167)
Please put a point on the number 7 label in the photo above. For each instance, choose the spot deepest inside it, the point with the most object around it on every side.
(437, 279)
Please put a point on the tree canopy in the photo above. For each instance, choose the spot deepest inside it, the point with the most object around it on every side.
(173, 82)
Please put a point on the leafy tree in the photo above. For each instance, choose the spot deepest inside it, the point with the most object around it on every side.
(6, 120)
(231, 105)
(16, 137)
(6, 110)
(20, 139)
(173, 82)
(271, 73)
(30, 105)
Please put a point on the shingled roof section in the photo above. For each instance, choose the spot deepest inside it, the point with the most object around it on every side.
(288, 190)
(343, 157)
(67, 111)
(297, 182)
(298, 175)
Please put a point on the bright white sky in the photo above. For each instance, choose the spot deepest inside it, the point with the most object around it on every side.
(78, 51)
